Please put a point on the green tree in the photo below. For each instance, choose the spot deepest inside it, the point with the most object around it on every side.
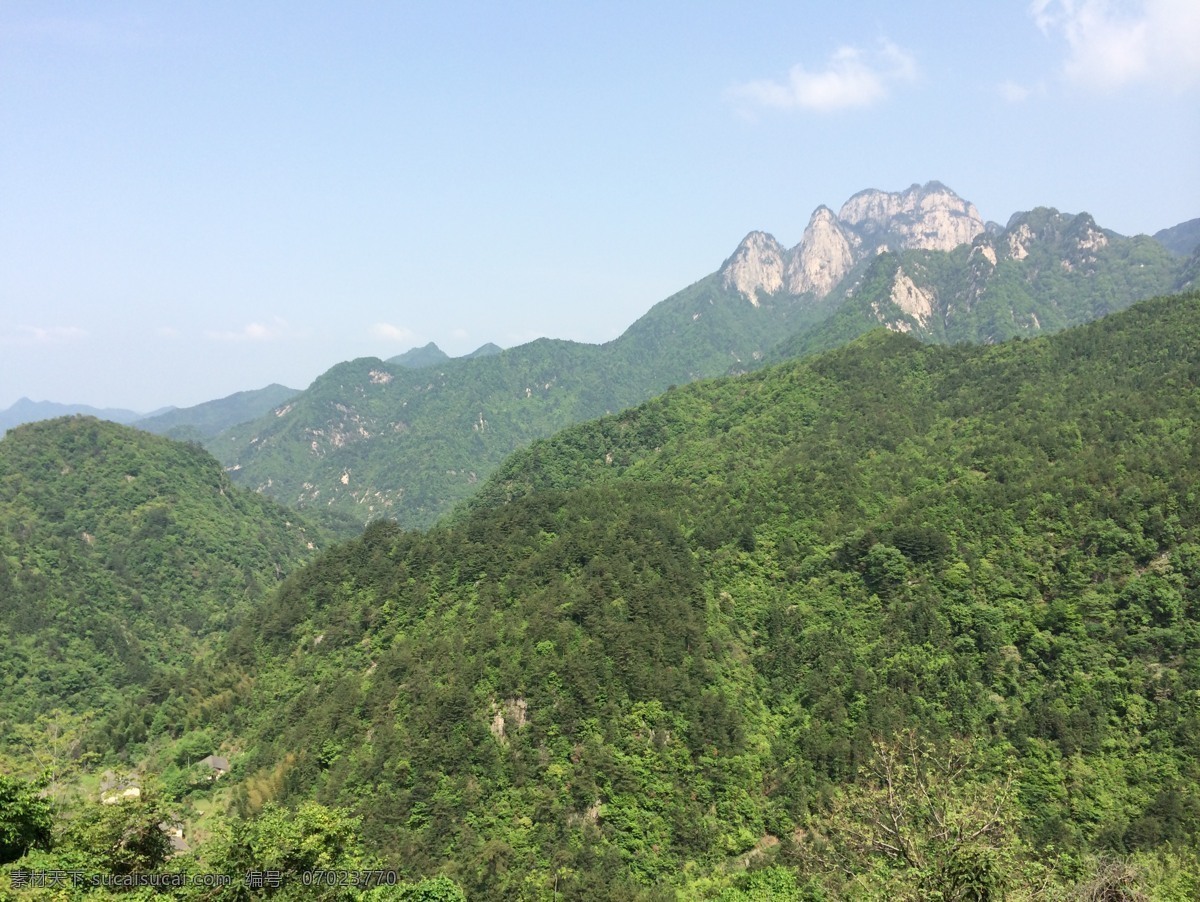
(922, 824)
(123, 837)
(26, 818)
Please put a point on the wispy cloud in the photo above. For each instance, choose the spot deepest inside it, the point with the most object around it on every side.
(852, 77)
(388, 332)
(42, 335)
(272, 331)
(1112, 44)
(1015, 92)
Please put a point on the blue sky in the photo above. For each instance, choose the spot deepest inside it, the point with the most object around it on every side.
(199, 198)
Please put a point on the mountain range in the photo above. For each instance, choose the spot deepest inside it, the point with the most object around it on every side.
(27, 411)
(409, 437)
(912, 617)
(184, 423)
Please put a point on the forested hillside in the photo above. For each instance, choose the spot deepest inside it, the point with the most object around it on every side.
(897, 621)
(121, 553)
(212, 417)
(372, 439)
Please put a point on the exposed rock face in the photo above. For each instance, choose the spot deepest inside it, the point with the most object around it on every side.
(756, 265)
(911, 299)
(929, 217)
(1018, 241)
(824, 255)
(986, 251)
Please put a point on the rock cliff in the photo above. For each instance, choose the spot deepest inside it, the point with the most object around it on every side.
(824, 255)
(757, 265)
(926, 217)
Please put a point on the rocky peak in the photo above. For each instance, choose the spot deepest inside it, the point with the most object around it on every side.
(1085, 234)
(924, 217)
(756, 265)
(824, 255)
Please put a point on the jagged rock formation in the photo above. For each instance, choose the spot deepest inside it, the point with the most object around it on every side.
(1042, 272)
(923, 217)
(911, 300)
(929, 217)
(824, 255)
(756, 265)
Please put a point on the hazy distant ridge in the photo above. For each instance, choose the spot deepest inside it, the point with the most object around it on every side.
(27, 411)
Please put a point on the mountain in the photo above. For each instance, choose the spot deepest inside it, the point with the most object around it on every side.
(894, 621)
(207, 419)
(1182, 240)
(1043, 272)
(371, 439)
(26, 411)
(485, 350)
(416, 358)
(431, 355)
(121, 554)
(928, 217)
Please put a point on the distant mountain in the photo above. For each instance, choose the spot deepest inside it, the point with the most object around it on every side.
(486, 350)
(207, 419)
(26, 411)
(1043, 272)
(416, 358)
(929, 217)
(1189, 278)
(119, 552)
(1182, 240)
(372, 439)
(432, 355)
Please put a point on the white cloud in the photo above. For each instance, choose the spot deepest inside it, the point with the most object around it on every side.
(852, 78)
(1111, 43)
(276, 329)
(1016, 92)
(388, 332)
(42, 335)
(460, 334)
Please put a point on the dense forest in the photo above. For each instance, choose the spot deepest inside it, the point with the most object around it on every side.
(895, 621)
(120, 553)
